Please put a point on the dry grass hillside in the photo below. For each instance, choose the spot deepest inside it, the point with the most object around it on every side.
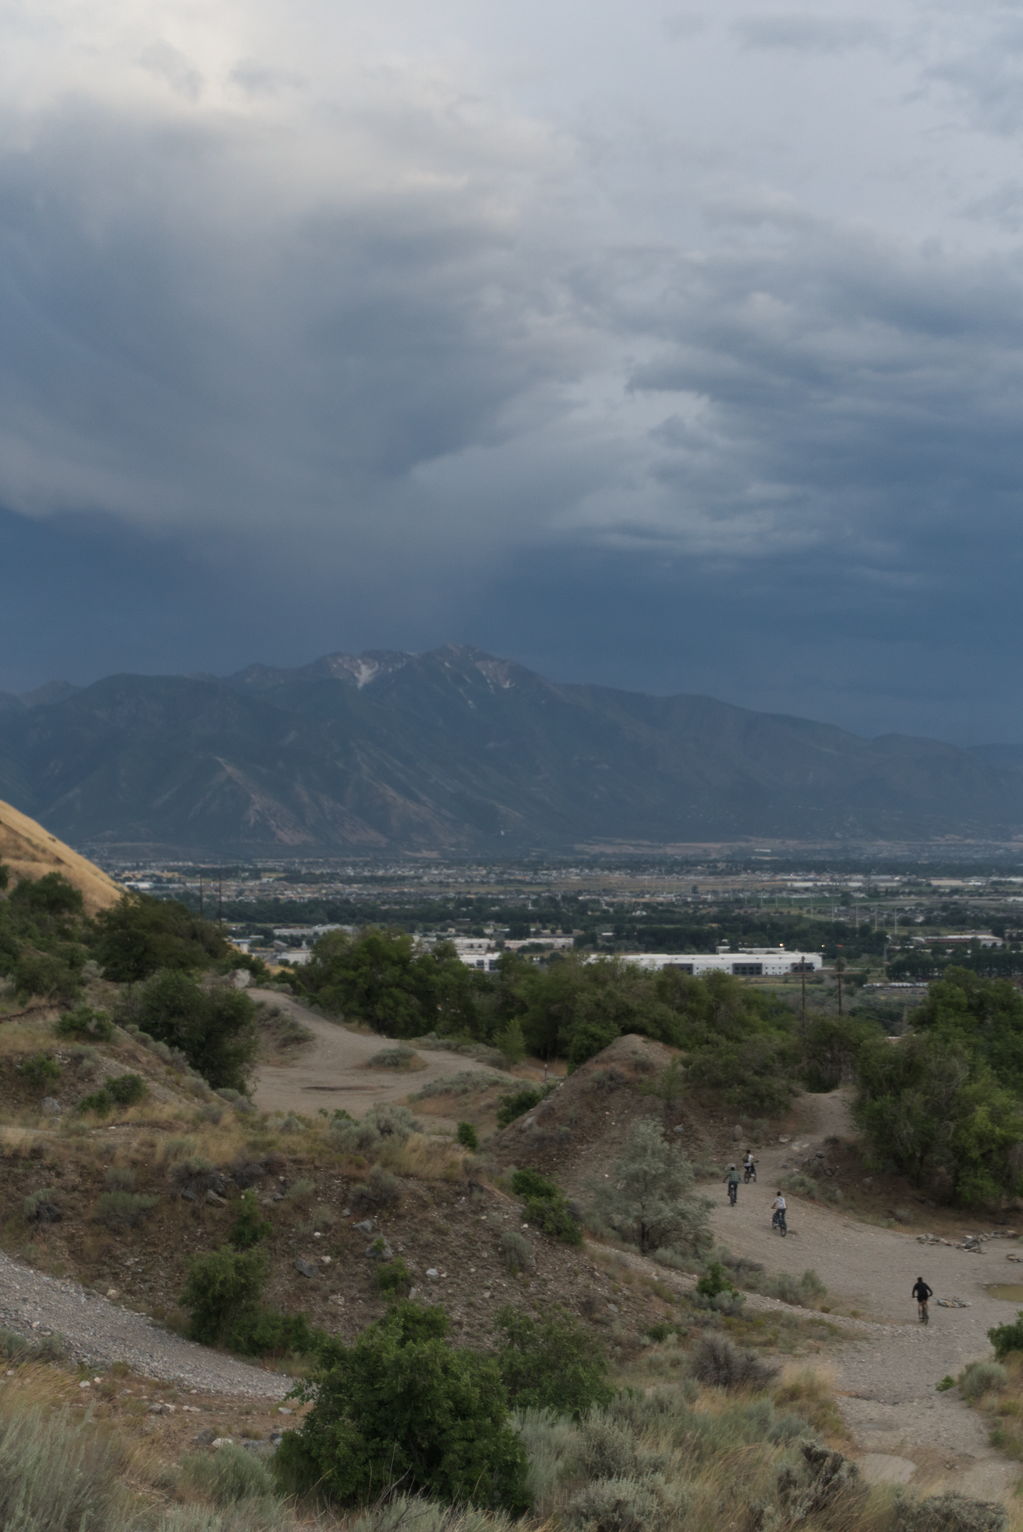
(31, 852)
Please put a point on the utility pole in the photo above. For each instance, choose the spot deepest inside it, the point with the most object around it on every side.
(802, 990)
(200, 897)
(839, 965)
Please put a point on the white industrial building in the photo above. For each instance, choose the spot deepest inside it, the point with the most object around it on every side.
(747, 963)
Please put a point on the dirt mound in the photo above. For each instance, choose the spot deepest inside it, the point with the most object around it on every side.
(577, 1131)
(31, 852)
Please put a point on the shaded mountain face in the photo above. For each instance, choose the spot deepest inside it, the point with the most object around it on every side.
(458, 751)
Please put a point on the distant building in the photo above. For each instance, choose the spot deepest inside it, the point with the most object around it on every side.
(748, 963)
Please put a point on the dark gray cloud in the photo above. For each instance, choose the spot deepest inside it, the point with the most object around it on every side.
(495, 323)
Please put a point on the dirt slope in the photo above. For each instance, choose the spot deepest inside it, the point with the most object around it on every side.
(30, 852)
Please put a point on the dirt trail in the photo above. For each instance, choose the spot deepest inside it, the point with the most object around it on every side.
(887, 1378)
(332, 1070)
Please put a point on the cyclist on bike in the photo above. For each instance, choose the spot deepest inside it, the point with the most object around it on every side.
(749, 1167)
(779, 1210)
(921, 1292)
(732, 1182)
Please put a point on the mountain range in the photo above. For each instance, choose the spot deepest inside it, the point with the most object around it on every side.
(458, 751)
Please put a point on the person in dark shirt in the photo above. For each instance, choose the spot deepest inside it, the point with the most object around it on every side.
(921, 1292)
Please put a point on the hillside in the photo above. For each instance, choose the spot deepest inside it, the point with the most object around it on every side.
(30, 852)
(458, 751)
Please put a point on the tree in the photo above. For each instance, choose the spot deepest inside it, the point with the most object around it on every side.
(213, 1028)
(402, 1406)
(649, 1197)
(138, 936)
(551, 1363)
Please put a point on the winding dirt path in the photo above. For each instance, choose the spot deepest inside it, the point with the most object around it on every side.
(887, 1377)
(333, 1070)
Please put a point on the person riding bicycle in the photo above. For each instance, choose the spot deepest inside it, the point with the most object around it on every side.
(732, 1182)
(779, 1208)
(921, 1292)
(749, 1166)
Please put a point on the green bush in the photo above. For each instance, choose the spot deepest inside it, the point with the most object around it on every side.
(553, 1217)
(1007, 1338)
(120, 1090)
(393, 1278)
(516, 1251)
(516, 1103)
(530, 1183)
(403, 1406)
(551, 1363)
(221, 1287)
(213, 1028)
(468, 1137)
(39, 1070)
(649, 1197)
(124, 1210)
(84, 1021)
(227, 1476)
(249, 1227)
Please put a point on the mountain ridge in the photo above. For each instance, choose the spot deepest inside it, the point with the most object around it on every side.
(459, 750)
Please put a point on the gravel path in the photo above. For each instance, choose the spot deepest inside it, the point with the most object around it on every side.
(887, 1376)
(98, 1332)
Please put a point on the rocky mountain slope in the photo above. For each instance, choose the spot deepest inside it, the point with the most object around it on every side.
(458, 751)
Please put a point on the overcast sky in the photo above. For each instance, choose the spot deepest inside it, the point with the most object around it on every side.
(678, 349)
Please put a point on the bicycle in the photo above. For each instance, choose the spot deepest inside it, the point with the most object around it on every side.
(733, 1192)
(923, 1311)
(778, 1222)
(749, 1173)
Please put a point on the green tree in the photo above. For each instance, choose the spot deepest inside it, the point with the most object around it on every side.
(213, 1028)
(649, 1198)
(401, 1406)
(139, 936)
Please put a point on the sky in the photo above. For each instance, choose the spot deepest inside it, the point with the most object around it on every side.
(671, 348)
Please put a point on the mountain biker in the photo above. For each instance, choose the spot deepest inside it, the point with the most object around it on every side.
(921, 1292)
(779, 1209)
(749, 1166)
(732, 1182)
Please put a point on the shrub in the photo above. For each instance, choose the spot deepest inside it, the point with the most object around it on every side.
(380, 1189)
(249, 1227)
(530, 1183)
(84, 1021)
(221, 1287)
(714, 1360)
(619, 1505)
(468, 1137)
(1006, 1338)
(551, 1363)
(554, 1217)
(55, 1476)
(39, 1070)
(393, 1278)
(229, 1475)
(124, 1210)
(981, 1378)
(41, 1206)
(649, 1197)
(517, 1103)
(516, 1251)
(120, 1090)
(401, 1405)
(950, 1513)
(393, 1058)
(125, 1090)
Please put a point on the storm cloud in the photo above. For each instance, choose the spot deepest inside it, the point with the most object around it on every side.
(323, 329)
